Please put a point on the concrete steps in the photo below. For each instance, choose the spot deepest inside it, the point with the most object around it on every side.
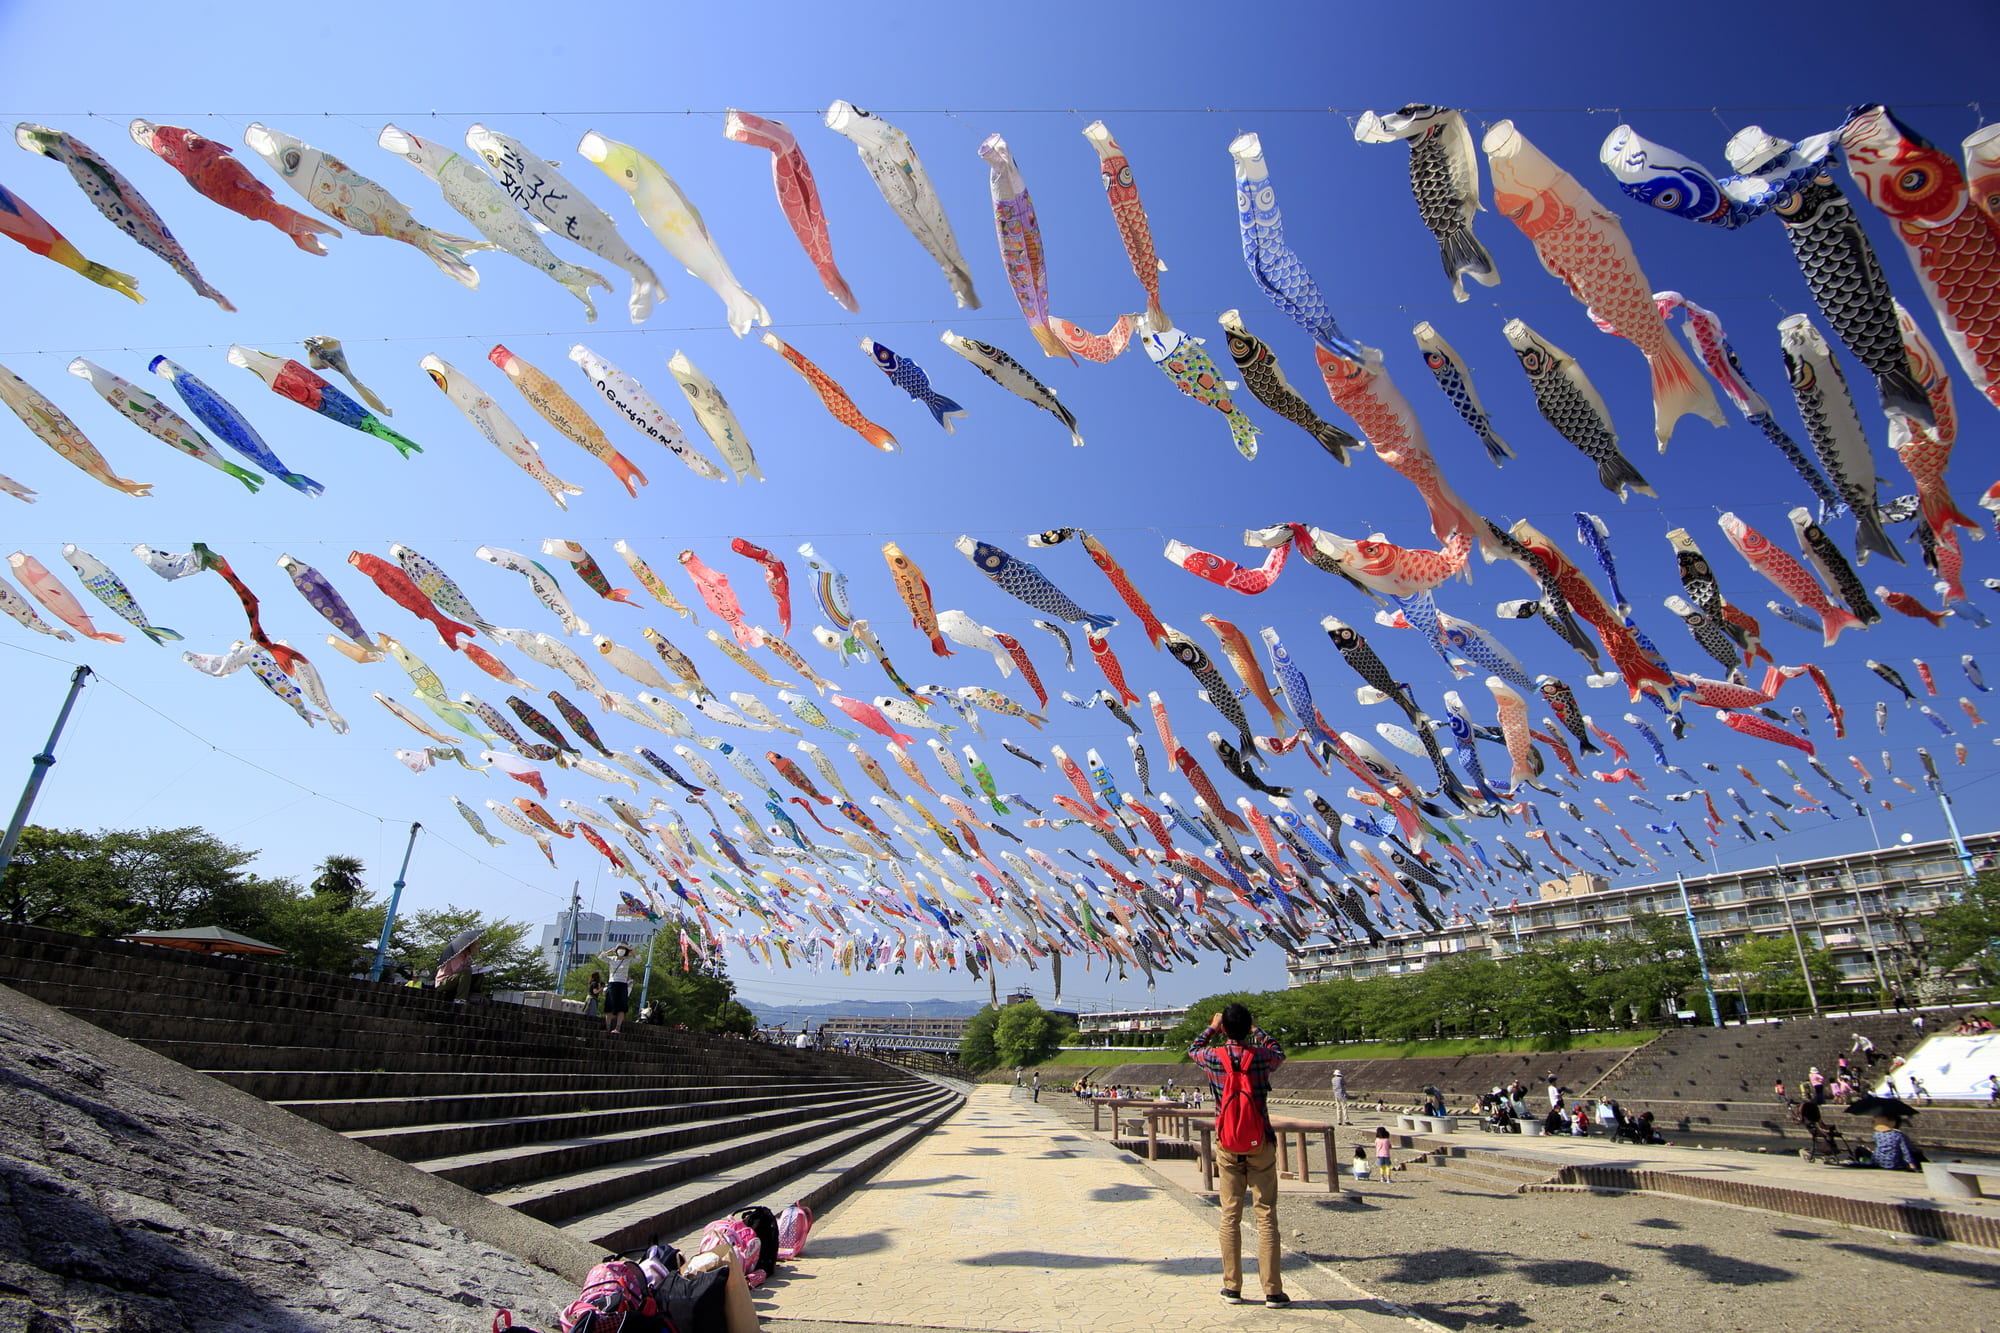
(619, 1140)
(784, 1166)
(1470, 1166)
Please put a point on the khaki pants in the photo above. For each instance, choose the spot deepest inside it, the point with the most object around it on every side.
(1340, 1110)
(1258, 1173)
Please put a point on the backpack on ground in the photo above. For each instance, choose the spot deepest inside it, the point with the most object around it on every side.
(794, 1225)
(1239, 1123)
(616, 1298)
(765, 1223)
(740, 1238)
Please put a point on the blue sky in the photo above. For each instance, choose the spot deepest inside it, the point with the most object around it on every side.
(156, 743)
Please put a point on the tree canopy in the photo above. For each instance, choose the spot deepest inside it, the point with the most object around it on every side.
(116, 881)
(1636, 978)
(1015, 1034)
(113, 882)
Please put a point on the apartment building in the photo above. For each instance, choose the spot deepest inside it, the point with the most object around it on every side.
(1863, 907)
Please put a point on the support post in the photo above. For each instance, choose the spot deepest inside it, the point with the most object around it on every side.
(1812, 996)
(1701, 957)
(395, 901)
(567, 944)
(1951, 822)
(646, 982)
(1874, 949)
(41, 764)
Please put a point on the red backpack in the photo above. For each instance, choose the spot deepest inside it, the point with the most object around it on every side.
(1239, 1122)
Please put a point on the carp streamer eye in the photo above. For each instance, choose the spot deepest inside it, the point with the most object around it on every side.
(290, 159)
(1914, 179)
(1669, 199)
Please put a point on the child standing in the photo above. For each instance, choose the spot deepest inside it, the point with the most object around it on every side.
(1382, 1162)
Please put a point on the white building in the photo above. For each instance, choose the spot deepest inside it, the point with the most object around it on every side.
(594, 934)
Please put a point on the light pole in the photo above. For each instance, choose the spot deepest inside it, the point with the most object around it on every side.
(1694, 933)
(1812, 996)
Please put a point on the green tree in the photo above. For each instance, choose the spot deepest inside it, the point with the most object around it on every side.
(1196, 1020)
(117, 881)
(511, 960)
(1543, 994)
(339, 881)
(1766, 969)
(976, 1050)
(1027, 1034)
(1962, 934)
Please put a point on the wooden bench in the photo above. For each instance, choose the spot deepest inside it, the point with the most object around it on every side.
(1959, 1180)
(1427, 1124)
(1118, 1106)
(1175, 1120)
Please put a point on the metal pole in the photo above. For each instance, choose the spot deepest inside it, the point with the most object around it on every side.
(1714, 1010)
(646, 983)
(1812, 996)
(1873, 948)
(41, 764)
(395, 901)
(568, 942)
(1950, 822)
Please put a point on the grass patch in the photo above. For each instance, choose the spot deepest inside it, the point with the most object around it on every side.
(1373, 1050)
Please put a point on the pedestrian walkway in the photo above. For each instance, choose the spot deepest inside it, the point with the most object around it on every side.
(1007, 1218)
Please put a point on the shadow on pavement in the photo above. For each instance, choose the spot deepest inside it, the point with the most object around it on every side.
(1720, 1268)
(1987, 1271)
(840, 1247)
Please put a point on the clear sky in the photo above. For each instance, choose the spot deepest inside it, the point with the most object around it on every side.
(156, 743)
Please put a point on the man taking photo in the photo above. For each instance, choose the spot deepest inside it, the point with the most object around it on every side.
(1238, 1059)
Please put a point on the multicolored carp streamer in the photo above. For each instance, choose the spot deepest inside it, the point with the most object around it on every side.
(833, 397)
(1289, 825)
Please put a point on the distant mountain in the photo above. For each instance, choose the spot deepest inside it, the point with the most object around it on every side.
(771, 1014)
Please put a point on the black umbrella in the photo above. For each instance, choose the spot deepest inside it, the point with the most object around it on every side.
(1868, 1103)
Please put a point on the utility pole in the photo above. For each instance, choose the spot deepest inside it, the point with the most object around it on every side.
(1812, 996)
(568, 945)
(1694, 933)
(395, 901)
(42, 763)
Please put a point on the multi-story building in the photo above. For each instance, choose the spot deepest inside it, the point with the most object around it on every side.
(593, 935)
(1865, 908)
(1146, 1022)
(899, 1025)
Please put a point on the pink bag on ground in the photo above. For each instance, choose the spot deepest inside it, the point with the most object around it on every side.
(740, 1238)
(794, 1225)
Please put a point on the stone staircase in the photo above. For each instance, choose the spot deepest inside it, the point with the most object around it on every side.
(1714, 1084)
(614, 1139)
